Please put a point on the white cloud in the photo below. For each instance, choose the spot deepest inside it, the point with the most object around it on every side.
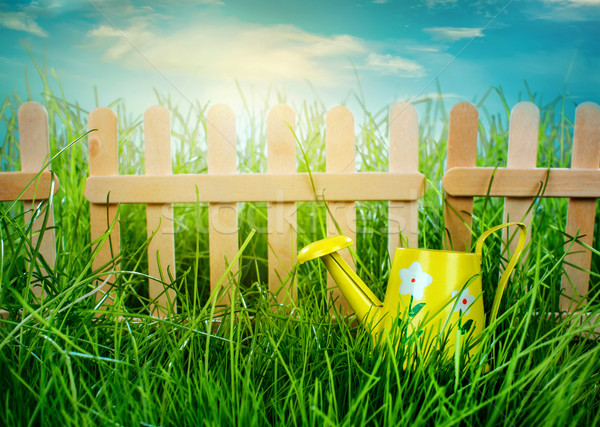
(434, 3)
(427, 49)
(245, 51)
(438, 96)
(20, 21)
(570, 10)
(58, 4)
(574, 2)
(454, 33)
(395, 65)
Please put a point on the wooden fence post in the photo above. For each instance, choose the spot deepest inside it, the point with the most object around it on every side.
(102, 146)
(281, 158)
(159, 217)
(522, 154)
(462, 151)
(581, 213)
(403, 157)
(35, 151)
(340, 157)
(223, 220)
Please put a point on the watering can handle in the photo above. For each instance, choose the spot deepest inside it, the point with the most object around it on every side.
(511, 264)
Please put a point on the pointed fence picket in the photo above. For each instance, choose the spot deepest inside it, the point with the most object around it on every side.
(403, 229)
(522, 154)
(104, 223)
(33, 185)
(281, 228)
(462, 152)
(581, 213)
(340, 157)
(520, 182)
(223, 220)
(159, 216)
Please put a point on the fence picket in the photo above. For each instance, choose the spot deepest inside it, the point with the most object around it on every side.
(340, 157)
(581, 213)
(35, 151)
(403, 157)
(223, 221)
(462, 151)
(522, 154)
(102, 146)
(159, 217)
(281, 158)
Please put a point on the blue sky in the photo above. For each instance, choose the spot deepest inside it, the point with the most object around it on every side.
(396, 50)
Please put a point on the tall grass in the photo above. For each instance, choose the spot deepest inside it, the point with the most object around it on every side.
(61, 364)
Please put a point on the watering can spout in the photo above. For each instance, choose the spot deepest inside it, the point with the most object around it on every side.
(361, 299)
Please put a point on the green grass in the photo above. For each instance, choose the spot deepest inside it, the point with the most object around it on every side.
(259, 364)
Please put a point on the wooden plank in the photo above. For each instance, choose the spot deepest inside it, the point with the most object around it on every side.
(340, 158)
(12, 183)
(522, 154)
(403, 157)
(581, 213)
(35, 152)
(462, 151)
(281, 158)
(223, 220)
(102, 147)
(231, 188)
(523, 183)
(159, 217)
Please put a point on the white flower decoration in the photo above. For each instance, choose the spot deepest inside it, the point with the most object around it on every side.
(413, 280)
(464, 301)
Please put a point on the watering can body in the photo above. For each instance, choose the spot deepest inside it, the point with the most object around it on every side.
(433, 293)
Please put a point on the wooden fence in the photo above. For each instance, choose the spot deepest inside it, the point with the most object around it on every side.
(521, 181)
(33, 184)
(222, 188)
(281, 187)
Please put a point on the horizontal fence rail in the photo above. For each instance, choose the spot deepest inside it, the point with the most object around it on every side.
(263, 187)
(538, 182)
(27, 186)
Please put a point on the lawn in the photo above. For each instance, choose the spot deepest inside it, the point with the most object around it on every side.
(255, 363)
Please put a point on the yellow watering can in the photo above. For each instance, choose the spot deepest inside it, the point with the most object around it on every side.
(437, 289)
